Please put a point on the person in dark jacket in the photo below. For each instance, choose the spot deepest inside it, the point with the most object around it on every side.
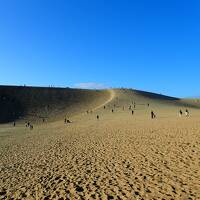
(153, 115)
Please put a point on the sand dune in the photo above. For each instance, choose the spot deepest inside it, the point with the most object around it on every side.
(119, 156)
(35, 103)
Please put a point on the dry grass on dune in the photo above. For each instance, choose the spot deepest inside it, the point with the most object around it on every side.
(119, 156)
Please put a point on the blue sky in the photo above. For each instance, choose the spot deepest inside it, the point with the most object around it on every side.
(148, 45)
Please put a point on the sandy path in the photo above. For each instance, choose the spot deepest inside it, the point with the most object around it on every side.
(112, 96)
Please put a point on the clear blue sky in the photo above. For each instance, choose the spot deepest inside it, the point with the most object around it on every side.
(151, 45)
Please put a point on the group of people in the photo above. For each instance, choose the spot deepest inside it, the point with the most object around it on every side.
(186, 113)
(152, 114)
(29, 125)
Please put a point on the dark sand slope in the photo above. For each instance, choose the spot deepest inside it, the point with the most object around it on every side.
(51, 103)
(119, 156)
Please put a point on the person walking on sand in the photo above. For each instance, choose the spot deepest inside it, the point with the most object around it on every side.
(132, 112)
(65, 120)
(153, 115)
(27, 124)
(186, 113)
(31, 127)
(112, 110)
(68, 121)
(97, 117)
(14, 123)
(180, 113)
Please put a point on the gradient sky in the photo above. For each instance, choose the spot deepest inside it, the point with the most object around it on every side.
(151, 45)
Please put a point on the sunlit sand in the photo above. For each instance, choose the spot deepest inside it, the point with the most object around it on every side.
(118, 156)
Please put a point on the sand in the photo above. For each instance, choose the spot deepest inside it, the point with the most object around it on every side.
(119, 156)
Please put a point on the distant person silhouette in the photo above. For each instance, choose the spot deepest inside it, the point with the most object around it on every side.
(153, 115)
(112, 110)
(68, 121)
(97, 116)
(180, 113)
(27, 124)
(132, 112)
(186, 113)
(14, 123)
